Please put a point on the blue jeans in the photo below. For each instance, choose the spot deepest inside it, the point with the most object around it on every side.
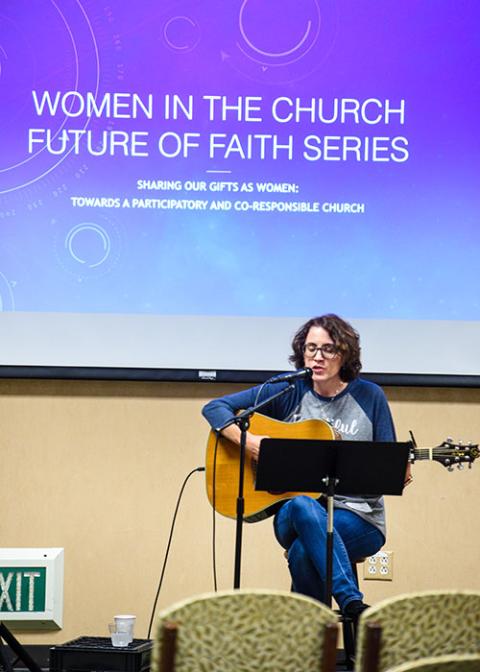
(301, 528)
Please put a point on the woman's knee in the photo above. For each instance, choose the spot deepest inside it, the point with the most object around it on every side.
(304, 507)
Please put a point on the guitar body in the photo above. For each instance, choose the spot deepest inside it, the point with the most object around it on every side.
(222, 471)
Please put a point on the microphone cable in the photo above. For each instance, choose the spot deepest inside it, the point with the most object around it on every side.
(168, 546)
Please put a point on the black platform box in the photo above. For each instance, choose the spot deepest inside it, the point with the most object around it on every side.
(96, 654)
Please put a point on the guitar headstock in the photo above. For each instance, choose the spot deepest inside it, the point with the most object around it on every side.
(451, 454)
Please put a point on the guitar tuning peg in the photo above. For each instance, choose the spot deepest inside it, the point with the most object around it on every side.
(469, 465)
(449, 439)
(460, 466)
(450, 467)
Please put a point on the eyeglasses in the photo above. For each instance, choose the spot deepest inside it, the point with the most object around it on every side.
(328, 350)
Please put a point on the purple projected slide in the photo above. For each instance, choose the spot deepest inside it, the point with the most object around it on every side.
(240, 157)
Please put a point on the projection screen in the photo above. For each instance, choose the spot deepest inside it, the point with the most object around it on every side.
(183, 183)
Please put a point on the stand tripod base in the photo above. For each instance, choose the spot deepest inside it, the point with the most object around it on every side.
(7, 639)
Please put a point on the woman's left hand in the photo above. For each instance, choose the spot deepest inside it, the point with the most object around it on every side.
(408, 475)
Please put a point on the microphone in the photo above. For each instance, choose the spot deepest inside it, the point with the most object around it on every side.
(295, 375)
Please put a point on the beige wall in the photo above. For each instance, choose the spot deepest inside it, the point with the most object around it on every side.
(96, 467)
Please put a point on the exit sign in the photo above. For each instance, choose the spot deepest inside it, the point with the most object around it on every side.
(31, 586)
(22, 589)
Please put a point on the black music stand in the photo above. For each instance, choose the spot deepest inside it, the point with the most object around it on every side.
(332, 467)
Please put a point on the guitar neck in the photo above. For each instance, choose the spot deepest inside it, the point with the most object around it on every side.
(427, 453)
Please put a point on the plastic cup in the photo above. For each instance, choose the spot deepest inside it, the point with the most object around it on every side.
(125, 623)
(118, 638)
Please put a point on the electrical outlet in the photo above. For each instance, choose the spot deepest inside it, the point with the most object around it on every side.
(379, 567)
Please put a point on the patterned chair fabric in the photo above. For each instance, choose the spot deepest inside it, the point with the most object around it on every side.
(419, 625)
(246, 630)
(469, 662)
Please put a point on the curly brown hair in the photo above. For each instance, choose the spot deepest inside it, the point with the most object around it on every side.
(345, 338)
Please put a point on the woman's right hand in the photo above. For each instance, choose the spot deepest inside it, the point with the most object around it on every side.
(253, 445)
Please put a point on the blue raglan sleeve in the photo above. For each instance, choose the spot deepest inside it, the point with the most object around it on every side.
(218, 411)
(383, 427)
(373, 401)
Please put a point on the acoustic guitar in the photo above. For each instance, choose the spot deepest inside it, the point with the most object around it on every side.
(222, 463)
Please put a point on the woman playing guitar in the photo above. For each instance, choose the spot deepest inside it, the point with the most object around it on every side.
(357, 410)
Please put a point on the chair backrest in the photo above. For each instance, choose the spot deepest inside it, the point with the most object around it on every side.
(246, 630)
(468, 662)
(418, 625)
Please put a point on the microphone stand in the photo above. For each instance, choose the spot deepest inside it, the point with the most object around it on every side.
(330, 482)
(242, 420)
